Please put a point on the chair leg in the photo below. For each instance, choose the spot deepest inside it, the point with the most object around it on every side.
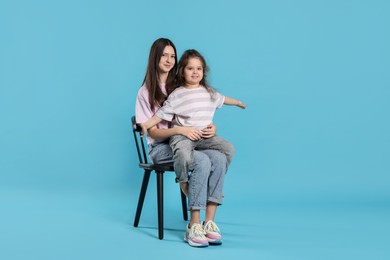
(184, 205)
(141, 198)
(160, 204)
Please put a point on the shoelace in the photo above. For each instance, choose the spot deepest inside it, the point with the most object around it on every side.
(198, 231)
(211, 226)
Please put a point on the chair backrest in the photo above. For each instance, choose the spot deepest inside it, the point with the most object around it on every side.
(139, 142)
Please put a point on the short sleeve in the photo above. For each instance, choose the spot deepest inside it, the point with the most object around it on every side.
(142, 107)
(219, 99)
(166, 112)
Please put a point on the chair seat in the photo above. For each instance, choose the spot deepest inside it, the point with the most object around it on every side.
(157, 167)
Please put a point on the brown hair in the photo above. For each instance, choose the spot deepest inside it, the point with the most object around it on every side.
(189, 54)
(152, 76)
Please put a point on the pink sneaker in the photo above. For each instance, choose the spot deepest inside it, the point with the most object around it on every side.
(195, 236)
(213, 234)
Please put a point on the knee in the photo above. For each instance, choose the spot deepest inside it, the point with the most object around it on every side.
(230, 148)
(229, 151)
(182, 156)
(201, 162)
(218, 160)
(216, 156)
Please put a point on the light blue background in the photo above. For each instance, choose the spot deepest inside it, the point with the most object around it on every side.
(310, 179)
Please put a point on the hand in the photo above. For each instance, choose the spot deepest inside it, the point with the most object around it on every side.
(144, 130)
(190, 132)
(209, 131)
(240, 104)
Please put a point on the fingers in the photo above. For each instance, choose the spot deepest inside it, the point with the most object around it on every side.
(192, 133)
(195, 135)
(207, 136)
(191, 138)
(143, 130)
(208, 132)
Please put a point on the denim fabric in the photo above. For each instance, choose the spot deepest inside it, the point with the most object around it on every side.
(183, 152)
(160, 153)
(206, 178)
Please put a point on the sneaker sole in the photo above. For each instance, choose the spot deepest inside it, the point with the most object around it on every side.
(191, 243)
(215, 242)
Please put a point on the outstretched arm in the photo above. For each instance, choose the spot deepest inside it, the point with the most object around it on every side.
(148, 124)
(234, 102)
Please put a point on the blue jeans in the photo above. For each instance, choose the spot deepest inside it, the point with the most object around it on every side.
(206, 177)
(184, 148)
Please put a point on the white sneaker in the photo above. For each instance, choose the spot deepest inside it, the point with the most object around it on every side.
(213, 234)
(195, 236)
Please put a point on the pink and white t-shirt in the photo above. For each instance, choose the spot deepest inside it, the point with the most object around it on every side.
(193, 107)
(143, 112)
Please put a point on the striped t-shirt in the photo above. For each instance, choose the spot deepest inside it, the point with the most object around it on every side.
(193, 107)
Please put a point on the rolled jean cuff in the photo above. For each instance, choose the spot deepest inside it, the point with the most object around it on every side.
(215, 200)
(196, 208)
(183, 180)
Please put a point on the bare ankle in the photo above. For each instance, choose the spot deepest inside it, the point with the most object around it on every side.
(184, 187)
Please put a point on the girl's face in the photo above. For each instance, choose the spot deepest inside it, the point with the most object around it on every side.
(193, 72)
(167, 60)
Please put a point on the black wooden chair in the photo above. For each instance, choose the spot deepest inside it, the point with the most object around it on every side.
(159, 169)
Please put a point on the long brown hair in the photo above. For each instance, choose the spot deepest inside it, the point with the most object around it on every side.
(152, 76)
(189, 54)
